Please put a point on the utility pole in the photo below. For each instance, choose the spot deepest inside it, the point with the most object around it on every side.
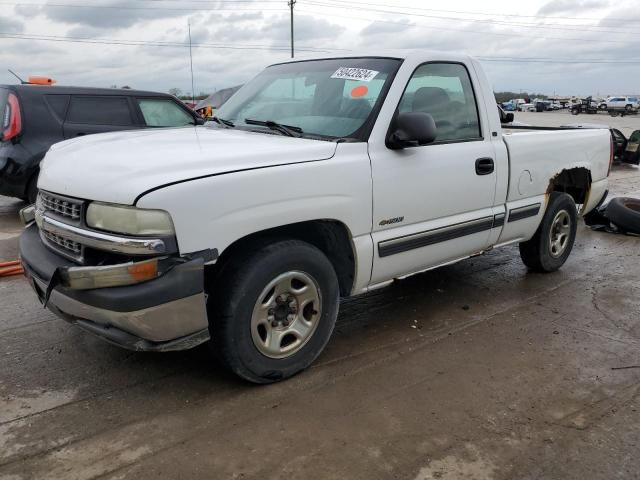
(291, 4)
(193, 90)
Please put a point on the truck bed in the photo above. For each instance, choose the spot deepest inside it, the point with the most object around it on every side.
(541, 153)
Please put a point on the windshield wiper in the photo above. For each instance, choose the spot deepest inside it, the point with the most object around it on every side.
(223, 122)
(287, 130)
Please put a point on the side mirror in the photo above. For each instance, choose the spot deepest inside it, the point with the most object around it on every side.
(504, 116)
(412, 129)
(199, 120)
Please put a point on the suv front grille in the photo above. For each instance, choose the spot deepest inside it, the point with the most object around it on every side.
(62, 206)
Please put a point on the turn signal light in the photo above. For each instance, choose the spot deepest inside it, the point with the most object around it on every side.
(86, 278)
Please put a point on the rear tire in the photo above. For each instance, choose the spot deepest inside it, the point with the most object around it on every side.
(551, 245)
(272, 311)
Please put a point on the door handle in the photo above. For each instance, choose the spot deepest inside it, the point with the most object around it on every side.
(484, 166)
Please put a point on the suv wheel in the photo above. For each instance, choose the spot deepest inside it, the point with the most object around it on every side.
(275, 311)
(628, 108)
(551, 245)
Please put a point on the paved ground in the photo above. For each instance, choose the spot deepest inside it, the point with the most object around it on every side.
(479, 370)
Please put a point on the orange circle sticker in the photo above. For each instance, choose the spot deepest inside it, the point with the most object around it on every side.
(360, 91)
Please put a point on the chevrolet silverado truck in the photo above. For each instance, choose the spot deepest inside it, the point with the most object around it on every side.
(319, 179)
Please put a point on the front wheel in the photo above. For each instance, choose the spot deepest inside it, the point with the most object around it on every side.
(272, 313)
(551, 245)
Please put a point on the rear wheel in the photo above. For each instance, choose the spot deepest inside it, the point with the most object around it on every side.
(274, 312)
(551, 245)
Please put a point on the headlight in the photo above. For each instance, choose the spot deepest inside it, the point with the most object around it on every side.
(129, 220)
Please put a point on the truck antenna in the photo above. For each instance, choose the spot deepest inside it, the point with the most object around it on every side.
(16, 75)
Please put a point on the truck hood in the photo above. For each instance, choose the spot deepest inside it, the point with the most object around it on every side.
(117, 167)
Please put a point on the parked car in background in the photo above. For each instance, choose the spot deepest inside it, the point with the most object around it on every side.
(35, 117)
(620, 103)
(319, 179)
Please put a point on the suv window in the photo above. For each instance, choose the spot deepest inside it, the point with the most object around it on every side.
(163, 113)
(444, 91)
(94, 110)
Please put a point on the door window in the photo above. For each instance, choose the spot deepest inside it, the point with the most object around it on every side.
(444, 91)
(163, 113)
(94, 110)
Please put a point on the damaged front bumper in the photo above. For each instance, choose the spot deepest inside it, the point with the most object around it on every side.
(165, 313)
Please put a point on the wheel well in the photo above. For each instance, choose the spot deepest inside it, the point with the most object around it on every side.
(574, 181)
(330, 236)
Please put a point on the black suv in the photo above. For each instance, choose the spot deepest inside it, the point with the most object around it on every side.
(35, 117)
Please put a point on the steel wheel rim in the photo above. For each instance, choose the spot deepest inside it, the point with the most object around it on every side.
(286, 314)
(560, 232)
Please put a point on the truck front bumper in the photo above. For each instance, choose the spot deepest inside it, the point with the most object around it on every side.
(163, 314)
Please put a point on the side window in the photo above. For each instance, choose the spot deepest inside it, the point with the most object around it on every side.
(444, 91)
(163, 113)
(95, 110)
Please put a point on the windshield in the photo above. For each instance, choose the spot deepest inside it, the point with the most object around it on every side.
(326, 98)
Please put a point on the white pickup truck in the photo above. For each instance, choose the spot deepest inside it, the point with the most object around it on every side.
(319, 179)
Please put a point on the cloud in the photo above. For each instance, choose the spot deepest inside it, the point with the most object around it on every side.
(306, 28)
(113, 14)
(375, 29)
(11, 25)
(571, 6)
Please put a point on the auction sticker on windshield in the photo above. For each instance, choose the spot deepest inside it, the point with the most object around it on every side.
(350, 73)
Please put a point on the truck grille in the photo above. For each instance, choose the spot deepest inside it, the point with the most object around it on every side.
(70, 246)
(65, 207)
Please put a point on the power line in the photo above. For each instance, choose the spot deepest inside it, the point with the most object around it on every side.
(151, 43)
(501, 34)
(544, 17)
(586, 28)
(505, 59)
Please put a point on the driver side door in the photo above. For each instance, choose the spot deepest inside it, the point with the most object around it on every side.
(434, 204)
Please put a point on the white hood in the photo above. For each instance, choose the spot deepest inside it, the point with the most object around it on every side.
(117, 167)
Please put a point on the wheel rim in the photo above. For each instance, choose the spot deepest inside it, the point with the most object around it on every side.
(560, 232)
(286, 314)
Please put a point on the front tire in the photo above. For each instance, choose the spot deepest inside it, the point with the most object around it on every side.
(551, 245)
(272, 312)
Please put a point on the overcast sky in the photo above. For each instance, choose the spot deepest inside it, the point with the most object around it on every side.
(150, 38)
